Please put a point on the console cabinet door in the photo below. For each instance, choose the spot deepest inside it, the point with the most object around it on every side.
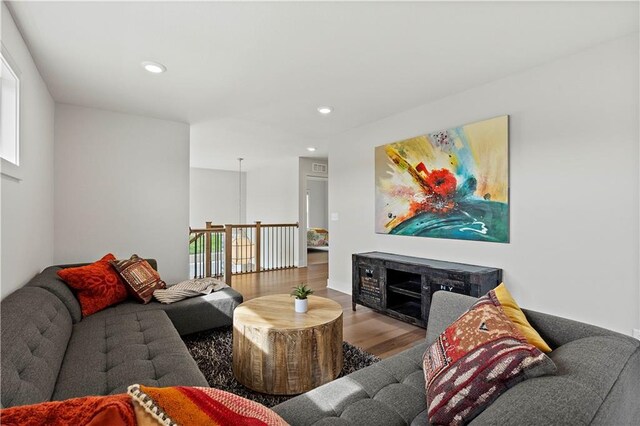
(369, 284)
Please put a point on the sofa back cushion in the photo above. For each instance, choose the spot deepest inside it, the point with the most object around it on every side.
(445, 309)
(35, 329)
(556, 331)
(587, 370)
(49, 280)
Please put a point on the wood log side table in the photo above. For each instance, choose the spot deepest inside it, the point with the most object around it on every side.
(278, 351)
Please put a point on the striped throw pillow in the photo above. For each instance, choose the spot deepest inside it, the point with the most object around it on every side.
(139, 277)
(182, 405)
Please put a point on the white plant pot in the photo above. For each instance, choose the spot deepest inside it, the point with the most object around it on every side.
(302, 305)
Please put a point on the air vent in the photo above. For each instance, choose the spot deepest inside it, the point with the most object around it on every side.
(319, 168)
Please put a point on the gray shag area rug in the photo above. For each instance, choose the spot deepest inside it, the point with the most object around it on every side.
(212, 351)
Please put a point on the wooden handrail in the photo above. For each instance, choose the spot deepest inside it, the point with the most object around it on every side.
(221, 228)
(203, 230)
(280, 225)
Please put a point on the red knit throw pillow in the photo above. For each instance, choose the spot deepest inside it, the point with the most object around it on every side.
(112, 410)
(97, 285)
(476, 359)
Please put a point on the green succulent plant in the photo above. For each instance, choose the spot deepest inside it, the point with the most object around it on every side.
(301, 291)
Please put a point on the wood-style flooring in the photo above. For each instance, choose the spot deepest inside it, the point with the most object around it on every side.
(375, 333)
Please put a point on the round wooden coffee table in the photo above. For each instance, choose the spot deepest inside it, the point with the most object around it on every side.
(278, 351)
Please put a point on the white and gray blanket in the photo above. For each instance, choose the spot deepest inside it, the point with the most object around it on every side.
(188, 288)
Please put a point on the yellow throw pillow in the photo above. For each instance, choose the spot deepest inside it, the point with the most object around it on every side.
(516, 315)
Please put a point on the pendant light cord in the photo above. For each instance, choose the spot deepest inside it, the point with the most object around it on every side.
(240, 190)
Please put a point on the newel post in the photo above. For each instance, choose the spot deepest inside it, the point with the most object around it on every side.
(258, 244)
(207, 251)
(228, 246)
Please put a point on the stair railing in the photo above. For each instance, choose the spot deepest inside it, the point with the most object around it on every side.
(226, 250)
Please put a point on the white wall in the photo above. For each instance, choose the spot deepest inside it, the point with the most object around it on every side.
(214, 197)
(122, 186)
(318, 190)
(27, 205)
(272, 193)
(574, 164)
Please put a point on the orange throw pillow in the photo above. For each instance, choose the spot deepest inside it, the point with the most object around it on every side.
(112, 410)
(97, 285)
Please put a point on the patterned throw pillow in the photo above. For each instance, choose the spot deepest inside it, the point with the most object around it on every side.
(97, 285)
(182, 405)
(477, 358)
(139, 277)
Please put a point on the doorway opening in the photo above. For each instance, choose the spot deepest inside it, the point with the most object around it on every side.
(317, 219)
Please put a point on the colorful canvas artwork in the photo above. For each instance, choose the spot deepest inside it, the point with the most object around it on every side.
(448, 184)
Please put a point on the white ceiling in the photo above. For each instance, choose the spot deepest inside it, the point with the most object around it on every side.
(249, 76)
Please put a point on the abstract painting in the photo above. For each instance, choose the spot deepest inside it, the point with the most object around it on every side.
(452, 183)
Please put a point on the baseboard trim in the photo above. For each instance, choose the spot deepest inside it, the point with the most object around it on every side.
(339, 286)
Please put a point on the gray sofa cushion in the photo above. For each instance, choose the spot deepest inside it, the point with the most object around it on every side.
(587, 371)
(106, 354)
(622, 405)
(390, 392)
(189, 315)
(597, 381)
(36, 327)
(49, 280)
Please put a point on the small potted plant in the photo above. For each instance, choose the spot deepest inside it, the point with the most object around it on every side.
(301, 292)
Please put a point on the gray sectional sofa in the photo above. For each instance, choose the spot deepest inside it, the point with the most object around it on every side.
(49, 352)
(598, 381)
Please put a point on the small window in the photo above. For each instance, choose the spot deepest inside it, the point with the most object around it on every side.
(9, 110)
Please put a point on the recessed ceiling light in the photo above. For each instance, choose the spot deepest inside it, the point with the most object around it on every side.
(154, 67)
(311, 149)
(325, 110)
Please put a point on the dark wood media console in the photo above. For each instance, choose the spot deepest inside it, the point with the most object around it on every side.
(401, 286)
